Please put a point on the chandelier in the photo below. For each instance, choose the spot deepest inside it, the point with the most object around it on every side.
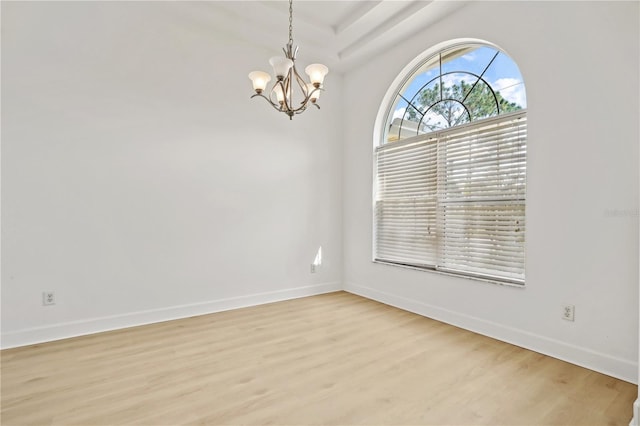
(289, 88)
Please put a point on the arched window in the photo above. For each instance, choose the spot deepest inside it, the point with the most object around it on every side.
(451, 166)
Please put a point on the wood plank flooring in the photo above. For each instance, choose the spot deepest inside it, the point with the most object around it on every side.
(330, 359)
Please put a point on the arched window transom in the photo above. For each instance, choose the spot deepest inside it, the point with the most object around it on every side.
(456, 86)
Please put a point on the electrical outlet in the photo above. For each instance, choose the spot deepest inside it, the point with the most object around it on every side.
(48, 298)
(568, 312)
(313, 268)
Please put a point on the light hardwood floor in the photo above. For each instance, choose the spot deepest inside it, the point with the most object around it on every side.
(329, 359)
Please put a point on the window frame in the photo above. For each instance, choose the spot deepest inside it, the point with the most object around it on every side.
(380, 139)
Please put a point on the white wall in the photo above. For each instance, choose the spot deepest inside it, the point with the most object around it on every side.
(580, 65)
(139, 181)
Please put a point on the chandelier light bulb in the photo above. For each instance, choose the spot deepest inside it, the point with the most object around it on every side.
(316, 73)
(281, 66)
(260, 80)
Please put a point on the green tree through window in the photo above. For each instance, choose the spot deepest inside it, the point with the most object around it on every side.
(461, 85)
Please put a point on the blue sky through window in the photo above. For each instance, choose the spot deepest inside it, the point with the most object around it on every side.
(502, 74)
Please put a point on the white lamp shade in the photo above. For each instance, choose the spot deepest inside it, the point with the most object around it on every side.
(279, 93)
(280, 66)
(310, 88)
(316, 73)
(260, 80)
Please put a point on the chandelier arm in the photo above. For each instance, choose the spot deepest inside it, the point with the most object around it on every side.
(302, 84)
(270, 97)
(285, 86)
(304, 107)
(277, 107)
(315, 89)
(305, 103)
(299, 109)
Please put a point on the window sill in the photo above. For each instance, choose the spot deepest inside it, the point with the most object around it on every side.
(453, 274)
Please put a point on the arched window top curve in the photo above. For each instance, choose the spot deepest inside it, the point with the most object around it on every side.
(457, 85)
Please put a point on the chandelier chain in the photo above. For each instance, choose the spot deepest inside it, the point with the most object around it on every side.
(290, 21)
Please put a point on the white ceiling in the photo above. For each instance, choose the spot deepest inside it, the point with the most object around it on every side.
(339, 33)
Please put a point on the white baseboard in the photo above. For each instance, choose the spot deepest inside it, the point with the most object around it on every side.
(96, 325)
(636, 413)
(612, 366)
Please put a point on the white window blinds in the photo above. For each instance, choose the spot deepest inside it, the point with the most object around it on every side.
(455, 200)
